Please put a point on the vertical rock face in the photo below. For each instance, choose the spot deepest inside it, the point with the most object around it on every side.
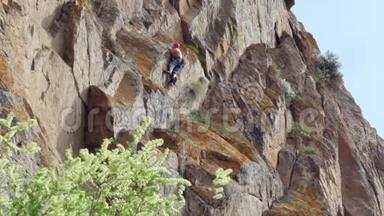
(89, 70)
(224, 29)
(359, 150)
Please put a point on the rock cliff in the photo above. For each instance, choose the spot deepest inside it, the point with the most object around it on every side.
(90, 69)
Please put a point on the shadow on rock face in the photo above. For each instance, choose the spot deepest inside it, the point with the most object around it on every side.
(61, 26)
(99, 119)
(85, 125)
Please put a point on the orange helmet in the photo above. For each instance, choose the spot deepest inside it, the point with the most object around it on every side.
(176, 46)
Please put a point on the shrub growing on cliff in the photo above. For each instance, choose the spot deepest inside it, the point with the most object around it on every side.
(222, 179)
(196, 51)
(110, 182)
(289, 94)
(212, 84)
(310, 150)
(328, 67)
(201, 116)
(303, 206)
(298, 130)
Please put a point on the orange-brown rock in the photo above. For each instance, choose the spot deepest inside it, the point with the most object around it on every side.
(314, 154)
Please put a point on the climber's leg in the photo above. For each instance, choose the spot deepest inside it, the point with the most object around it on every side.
(175, 62)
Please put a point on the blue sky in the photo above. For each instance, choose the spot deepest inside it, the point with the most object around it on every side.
(354, 30)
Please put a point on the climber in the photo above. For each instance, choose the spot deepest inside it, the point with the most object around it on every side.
(176, 63)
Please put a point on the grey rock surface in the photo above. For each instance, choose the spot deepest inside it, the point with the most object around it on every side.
(61, 60)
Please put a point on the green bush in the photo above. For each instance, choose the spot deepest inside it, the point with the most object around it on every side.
(310, 150)
(328, 67)
(222, 179)
(196, 90)
(298, 130)
(289, 94)
(304, 206)
(110, 182)
(201, 116)
(197, 52)
(193, 48)
(212, 84)
(122, 181)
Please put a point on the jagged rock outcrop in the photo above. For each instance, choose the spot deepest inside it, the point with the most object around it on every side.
(90, 69)
(224, 29)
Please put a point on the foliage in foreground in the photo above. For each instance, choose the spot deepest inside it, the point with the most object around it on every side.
(110, 182)
(328, 67)
(13, 179)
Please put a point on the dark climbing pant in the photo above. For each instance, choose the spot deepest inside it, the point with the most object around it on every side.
(175, 65)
